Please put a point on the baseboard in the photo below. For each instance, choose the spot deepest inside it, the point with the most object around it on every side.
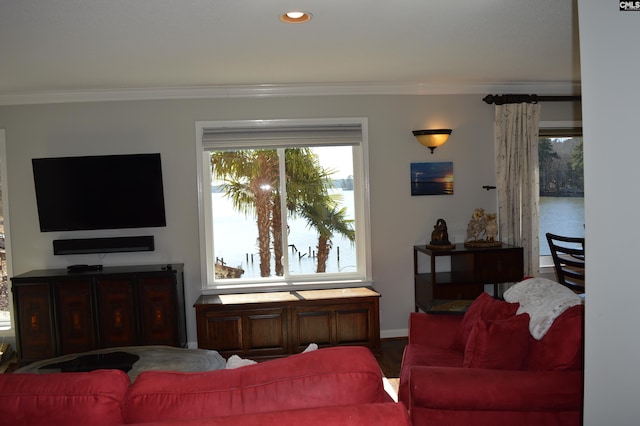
(390, 334)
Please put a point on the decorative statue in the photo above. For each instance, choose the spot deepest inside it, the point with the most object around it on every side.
(476, 225)
(491, 229)
(440, 235)
(482, 225)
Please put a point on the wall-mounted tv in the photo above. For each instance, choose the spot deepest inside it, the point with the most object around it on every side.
(99, 192)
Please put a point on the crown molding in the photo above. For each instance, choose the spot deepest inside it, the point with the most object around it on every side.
(288, 90)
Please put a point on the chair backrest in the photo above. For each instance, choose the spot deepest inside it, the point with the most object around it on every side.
(568, 259)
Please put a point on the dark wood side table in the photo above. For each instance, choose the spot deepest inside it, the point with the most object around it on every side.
(266, 325)
(471, 269)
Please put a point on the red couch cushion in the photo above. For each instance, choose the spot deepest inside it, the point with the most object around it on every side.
(432, 355)
(485, 307)
(478, 396)
(325, 377)
(416, 355)
(561, 348)
(481, 389)
(351, 415)
(498, 344)
(93, 398)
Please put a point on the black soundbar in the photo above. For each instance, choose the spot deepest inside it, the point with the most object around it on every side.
(103, 245)
(84, 268)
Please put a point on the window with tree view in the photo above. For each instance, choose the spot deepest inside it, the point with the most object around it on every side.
(561, 184)
(284, 212)
(5, 264)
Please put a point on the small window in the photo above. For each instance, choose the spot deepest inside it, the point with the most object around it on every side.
(561, 185)
(283, 203)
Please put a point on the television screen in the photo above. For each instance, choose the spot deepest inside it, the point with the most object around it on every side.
(99, 192)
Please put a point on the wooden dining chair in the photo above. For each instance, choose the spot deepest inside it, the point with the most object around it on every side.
(569, 260)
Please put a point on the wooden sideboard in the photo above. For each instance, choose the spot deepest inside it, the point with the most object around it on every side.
(264, 325)
(59, 312)
(471, 269)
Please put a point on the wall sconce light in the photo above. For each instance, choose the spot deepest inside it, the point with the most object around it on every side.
(432, 138)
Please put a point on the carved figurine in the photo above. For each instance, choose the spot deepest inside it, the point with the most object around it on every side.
(491, 228)
(440, 235)
(476, 226)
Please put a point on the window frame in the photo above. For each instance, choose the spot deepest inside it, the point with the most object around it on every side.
(556, 129)
(10, 331)
(316, 281)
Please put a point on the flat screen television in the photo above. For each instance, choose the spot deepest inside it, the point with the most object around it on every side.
(99, 192)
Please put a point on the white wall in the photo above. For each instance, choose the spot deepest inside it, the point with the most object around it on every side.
(398, 220)
(610, 87)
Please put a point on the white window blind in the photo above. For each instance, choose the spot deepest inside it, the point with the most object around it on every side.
(281, 136)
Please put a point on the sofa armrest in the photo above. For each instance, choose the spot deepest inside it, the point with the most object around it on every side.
(93, 398)
(433, 329)
(495, 390)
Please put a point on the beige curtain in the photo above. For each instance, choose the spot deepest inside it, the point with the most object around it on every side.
(516, 146)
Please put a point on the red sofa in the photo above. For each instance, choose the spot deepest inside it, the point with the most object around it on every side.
(340, 385)
(485, 368)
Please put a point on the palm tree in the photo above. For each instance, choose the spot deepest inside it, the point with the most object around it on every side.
(306, 181)
(308, 185)
(250, 176)
(252, 183)
(327, 219)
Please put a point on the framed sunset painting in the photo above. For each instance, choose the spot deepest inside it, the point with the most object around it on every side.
(432, 178)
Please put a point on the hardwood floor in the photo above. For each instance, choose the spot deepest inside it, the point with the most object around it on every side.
(390, 361)
(391, 357)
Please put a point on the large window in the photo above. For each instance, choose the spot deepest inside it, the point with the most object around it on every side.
(5, 297)
(283, 203)
(561, 185)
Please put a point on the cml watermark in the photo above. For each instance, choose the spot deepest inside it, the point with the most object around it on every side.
(630, 5)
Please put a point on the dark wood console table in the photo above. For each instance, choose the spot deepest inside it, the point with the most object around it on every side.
(471, 269)
(59, 312)
(264, 325)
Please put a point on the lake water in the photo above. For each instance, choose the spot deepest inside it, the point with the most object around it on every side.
(431, 188)
(235, 236)
(562, 216)
(236, 241)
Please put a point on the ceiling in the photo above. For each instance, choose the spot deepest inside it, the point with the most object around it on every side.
(115, 48)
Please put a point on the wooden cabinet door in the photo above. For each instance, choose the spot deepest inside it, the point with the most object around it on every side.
(354, 324)
(35, 326)
(76, 321)
(158, 311)
(265, 332)
(220, 331)
(116, 312)
(247, 333)
(333, 324)
(312, 324)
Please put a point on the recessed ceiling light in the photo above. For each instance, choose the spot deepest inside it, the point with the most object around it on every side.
(295, 17)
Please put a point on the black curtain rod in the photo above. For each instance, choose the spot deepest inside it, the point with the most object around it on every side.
(532, 99)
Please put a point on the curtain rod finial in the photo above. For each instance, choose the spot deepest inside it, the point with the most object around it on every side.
(488, 99)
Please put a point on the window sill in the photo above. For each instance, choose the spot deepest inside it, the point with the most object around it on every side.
(285, 286)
